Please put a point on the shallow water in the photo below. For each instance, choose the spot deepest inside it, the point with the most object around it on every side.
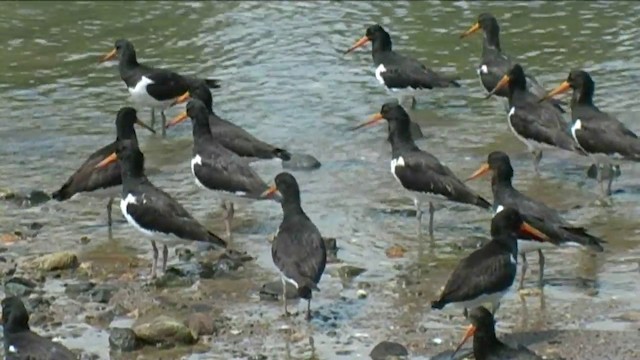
(286, 81)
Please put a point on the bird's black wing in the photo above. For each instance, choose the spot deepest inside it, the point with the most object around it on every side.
(166, 84)
(241, 142)
(406, 72)
(603, 133)
(31, 346)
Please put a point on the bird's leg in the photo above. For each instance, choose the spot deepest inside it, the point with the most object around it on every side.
(432, 211)
(229, 211)
(164, 123)
(494, 307)
(109, 219)
(309, 309)
(525, 265)
(154, 265)
(537, 156)
(153, 118)
(165, 255)
(416, 202)
(541, 265)
(465, 312)
(284, 296)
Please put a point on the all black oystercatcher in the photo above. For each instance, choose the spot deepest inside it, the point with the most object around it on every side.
(599, 134)
(298, 249)
(88, 178)
(228, 134)
(217, 168)
(418, 171)
(151, 87)
(396, 71)
(486, 345)
(538, 124)
(487, 274)
(539, 215)
(20, 343)
(150, 210)
(494, 63)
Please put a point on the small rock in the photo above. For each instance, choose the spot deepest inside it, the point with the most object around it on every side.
(301, 162)
(76, 289)
(102, 293)
(85, 240)
(20, 287)
(387, 349)
(122, 339)
(164, 330)
(272, 291)
(396, 251)
(348, 272)
(201, 324)
(362, 294)
(184, 254)
(56, 261)
(10, 238)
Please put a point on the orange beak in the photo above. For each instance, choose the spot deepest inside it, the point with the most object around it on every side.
(501, 84)
(269, 192)
(110, 56)
(482, 170)
(363, 40)
(374, 119)
(471, 330)
(108, 160)
(528, 229)
(177, 120)
(183, 98)
(562, 88)
(475, 27)
(139, 122)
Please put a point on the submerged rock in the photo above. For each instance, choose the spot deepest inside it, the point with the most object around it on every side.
(18, 286)
(123, 339)
(56, 261)
(272, 291)
(301, 162)
(187, 273)
(348, 272)
(32, 198)
(201, 323)
(164, 330)
(332, 250)
(387, 350)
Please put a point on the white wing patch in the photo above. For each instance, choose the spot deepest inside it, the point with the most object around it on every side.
(576, 126)
(140, 95)
(512, 259)
(196, 160)
(499, 209)
(12, 349)
(399, 161)
(130, 199)
(379, 70)
(483, 69)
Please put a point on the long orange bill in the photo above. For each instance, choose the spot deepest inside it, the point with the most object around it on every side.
(139, 122)
(475, 27)
(110, 56)
(269, 192)
(374, 119)
(177, 120)
(108, 160)
(501, 84)
(363, 40)
(471, 330)
(562, 88)
(528, 229)
(482, 170)
(182, 98)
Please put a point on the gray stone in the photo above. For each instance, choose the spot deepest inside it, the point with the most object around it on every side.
(76, 289)
(123, 339)
(20, 287)
(164, 330)
(301, 162)
(201, 324)
(386, 350)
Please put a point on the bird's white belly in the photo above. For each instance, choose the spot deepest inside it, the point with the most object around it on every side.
(196, 160)
(130, 199)
(140, 96)
(525, 246)
(481, 300)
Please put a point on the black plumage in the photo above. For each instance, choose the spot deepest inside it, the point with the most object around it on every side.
(298, 249)
(397, 71)
(418, 171)
(539, 215)
(536, 123)
(20, 343)
(88, 177)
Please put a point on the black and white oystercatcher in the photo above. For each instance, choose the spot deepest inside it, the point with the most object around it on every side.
(539, 215)
(151, 210)
(20, 343)
(599, 134)
(494, 63)
(228, 134)
(151, 87)
(538, 124)
(418, 171)
(396, 71)
(217, 168)
(88, 178)
(486, 345)
(487, 274)
(298, 249)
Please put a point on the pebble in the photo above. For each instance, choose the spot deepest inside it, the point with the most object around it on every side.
(201, 324)
(164, 330)
(362, 294)
(18, 286)
(301, 162)
(387, 349)
(396, 251)
(348, 272)
(123, 339)
(56, 261)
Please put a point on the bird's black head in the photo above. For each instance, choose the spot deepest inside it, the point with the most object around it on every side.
(15, 317)
(582, 84)
(498, 163)
(482, 318)
(287, 186)
(487, 21)
(376, 32)
(579, 79)
(123, 50)
(201, 92)
(489, 25)
(514, 79)
(198, 112)
(377, 35)
(126, 118)
(482, 326)
(397, 119)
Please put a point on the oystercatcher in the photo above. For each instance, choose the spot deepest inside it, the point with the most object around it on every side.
(217, 168)
(20, 343)
(486, 345)
(537, 124)
(418, 171)
(539, 215)
(228, 134)
(494, 63)
(151, 87)
(396, 71)
(598, 133)
(488, 273)
(88, 178)
(298, 249)
(151, 210)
